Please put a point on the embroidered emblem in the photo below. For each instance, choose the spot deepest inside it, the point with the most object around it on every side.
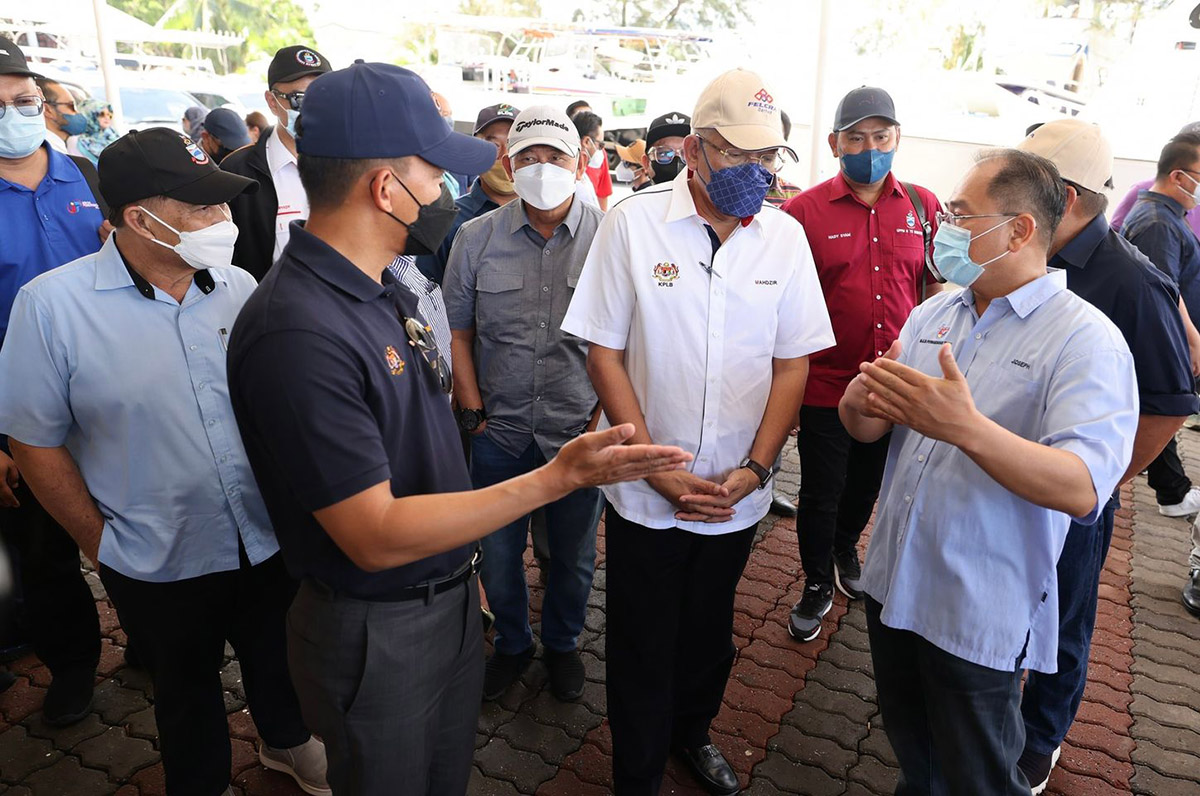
(673, 119)
(394, 362)
(506, 110)
(73, 208)
(910, 220)
(308, 58)
(199, 156)
(942, 332)
(666, 273)
(763, 96)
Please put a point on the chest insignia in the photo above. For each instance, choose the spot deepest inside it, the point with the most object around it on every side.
(910, 220)
(394, 362)
(666, 273)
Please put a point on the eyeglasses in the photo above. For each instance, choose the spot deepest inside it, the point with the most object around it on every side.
(772, 161)
(420, 337)
(952, 219)
(294, 99)
(26, 106)
(69, 103)
(663, 155)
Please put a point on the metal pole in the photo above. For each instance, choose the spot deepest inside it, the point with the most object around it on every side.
(818, 129)
(112, 91)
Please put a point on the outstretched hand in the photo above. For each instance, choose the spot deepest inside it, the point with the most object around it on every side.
(601, 457)
(941, 409)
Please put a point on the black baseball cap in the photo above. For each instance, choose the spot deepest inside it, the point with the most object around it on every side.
(227, 126)
(164, 162)
(495, 113)
(369, 111)
(12, 60)
(293, 63)
(863, 103)
(668, 125)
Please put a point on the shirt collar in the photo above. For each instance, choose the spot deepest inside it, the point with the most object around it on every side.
(113, 271)
(60, 167)
(1163, 199)
(839, 188)
(1080, 248)
(329, 264)
(520, 218)
(476, 200)
(683, 206)
(1028, 297)
(278, 155)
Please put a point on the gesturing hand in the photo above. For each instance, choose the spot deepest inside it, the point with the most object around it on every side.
(857, 392)
(941, 409)
(599, 458)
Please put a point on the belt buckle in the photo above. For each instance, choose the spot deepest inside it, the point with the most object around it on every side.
(476, 559)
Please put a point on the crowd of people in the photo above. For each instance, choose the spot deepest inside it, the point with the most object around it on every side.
(308, 384)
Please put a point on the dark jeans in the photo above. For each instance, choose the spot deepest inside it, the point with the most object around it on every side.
(955, 725)
(1050, 701)
(181, 629)
(669, 641)
(57, 611)
(839, 482)
(392, 688)
(571, 533)
(1166, 476)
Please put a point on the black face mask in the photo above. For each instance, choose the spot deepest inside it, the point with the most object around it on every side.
(665, 172)
(425, 235)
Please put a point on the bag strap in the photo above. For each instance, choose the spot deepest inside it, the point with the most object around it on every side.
(926, 235)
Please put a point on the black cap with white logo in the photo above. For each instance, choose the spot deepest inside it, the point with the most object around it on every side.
(12, 60)
(673, 124)
(293, 63)
(164, 162)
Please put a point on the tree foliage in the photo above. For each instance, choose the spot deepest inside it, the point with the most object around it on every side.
(683, 14)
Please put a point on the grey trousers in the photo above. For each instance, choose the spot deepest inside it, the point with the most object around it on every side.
(393, 689)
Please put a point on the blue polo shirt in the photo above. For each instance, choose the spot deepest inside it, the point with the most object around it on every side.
(472, 205)
(44, 228)
(1156, 225)
(331, 399)
(1110, 273)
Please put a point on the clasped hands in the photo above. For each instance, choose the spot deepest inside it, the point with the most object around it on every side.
(700, 500)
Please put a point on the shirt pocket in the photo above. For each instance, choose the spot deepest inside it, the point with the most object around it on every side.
(499, 299)
(1010, 395)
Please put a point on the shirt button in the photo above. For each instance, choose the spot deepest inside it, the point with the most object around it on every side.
(878, 353)
(546, 252)
(538, 398)
(877, 268)
(200, 386)
(716, 334)
(879, 326)
(978, 337)
(908, 498)
(224, 458)
(921, 457)
(542, 325)
(191, 348)
(703, 458)
(545, 288)
(872, 212)
(212, 422)
(539, 361)
(878, 297)
(875, 240)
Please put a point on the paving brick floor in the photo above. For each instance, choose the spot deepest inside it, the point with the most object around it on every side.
(797, 719)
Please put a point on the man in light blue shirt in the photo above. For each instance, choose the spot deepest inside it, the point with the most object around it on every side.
(114, 396)
(1031, 423)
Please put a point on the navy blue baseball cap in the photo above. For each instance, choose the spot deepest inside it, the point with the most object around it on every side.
(225, 125)
(384, 111)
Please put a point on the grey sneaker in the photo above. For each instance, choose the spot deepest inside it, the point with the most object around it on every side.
(304, 763)
(847, 574)
(804, 623)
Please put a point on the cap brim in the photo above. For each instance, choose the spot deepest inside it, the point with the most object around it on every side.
(848, 125)
(461, 154)
(542, 140)
(288, 78)
(479, 127)
(667, 131)
(753, 137)
(18, 71)
(214, 188)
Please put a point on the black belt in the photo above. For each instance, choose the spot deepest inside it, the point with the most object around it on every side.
(421, 591)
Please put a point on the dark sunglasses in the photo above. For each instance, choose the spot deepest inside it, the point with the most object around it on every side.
(420, 337)
(294, 99)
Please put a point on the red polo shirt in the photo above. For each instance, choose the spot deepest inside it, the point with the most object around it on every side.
(871, 265)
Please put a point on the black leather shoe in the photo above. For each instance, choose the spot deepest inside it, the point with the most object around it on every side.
(69, 697)
(566, 674)
(1191, 593)
(501, 671)
(783, 507)
(712, 769)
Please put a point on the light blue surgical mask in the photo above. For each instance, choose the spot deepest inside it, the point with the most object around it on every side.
(292, 116)
(952, 253)
(20, 136)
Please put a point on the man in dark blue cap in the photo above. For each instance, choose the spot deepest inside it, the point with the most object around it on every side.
(223, 131)
(340, 395)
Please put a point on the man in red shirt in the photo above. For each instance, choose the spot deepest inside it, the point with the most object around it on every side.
(868, 243)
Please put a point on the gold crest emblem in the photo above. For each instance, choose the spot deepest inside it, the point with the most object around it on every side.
(394, 362)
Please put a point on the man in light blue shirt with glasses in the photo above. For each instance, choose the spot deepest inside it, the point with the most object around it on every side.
(1014, 407)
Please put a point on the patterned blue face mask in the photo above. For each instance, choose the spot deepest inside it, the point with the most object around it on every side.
(952, 253)
(737, 191)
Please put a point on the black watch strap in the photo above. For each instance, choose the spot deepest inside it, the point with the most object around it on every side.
(764, 475)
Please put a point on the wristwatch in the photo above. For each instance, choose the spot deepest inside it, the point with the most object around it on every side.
(471, 419)
(764, 475)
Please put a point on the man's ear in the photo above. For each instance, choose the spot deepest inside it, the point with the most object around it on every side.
(580, 166)
(1024, 231)
(833, 147)
(507, 164)
(1072, 198)
(137, 222)
(381, 184)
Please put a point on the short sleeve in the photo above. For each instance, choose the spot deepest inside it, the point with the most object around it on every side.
(300, 398)
(1092, 411)
(804, 326)
(1149, 319)
(1123, 208)
(604, 186)
(458, 288)
(1161, 245)
(601, 310)
(35, 397)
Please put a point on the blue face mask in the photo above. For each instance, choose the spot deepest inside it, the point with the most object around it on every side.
(74, 123)
(952, 253)
(20, 136)
(291, 122)
(869, 166)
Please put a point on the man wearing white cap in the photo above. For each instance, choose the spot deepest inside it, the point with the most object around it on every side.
(1111, 274)
(701, 306)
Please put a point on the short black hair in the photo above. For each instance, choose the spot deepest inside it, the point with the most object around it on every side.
(1179, 153)
(328, 181)
(1090, 203)
(587, 123)
(1028, 183)
(787, 124)
(45, 83)
(576, 105)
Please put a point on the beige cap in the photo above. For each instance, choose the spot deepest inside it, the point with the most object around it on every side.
(1079, 150)
(545, 125)
(632, 153)
(740, 107)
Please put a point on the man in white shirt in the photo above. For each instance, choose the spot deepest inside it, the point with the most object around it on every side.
(701, 306)
(264, 218)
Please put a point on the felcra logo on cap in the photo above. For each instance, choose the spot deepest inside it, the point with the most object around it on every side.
(199, 156)
(308, 58)
(762, 102)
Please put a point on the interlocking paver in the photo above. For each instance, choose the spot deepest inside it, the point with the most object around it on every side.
(117, 753)
(21, 754)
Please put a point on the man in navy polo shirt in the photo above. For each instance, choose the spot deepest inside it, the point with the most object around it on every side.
(1112, 275)
(340, 395)
(48, 216)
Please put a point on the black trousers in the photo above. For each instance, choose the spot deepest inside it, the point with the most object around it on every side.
(1166, 476)
(181, 629)
(839, 482)
(57, 611)
(669, 641)
(955, 726)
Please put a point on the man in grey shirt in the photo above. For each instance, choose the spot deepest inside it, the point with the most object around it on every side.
(522, 387)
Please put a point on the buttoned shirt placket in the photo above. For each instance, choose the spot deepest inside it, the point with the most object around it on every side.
(714, 360)
(878, 288)
(541, 338)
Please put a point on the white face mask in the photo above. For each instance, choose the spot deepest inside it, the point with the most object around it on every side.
(1195, 192)
(544, 185)
(597, 159)
(203, 248)
(625, 173)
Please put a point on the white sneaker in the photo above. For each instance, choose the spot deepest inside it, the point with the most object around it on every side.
(1189, 505)
(1193, 421)
(305, 763)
